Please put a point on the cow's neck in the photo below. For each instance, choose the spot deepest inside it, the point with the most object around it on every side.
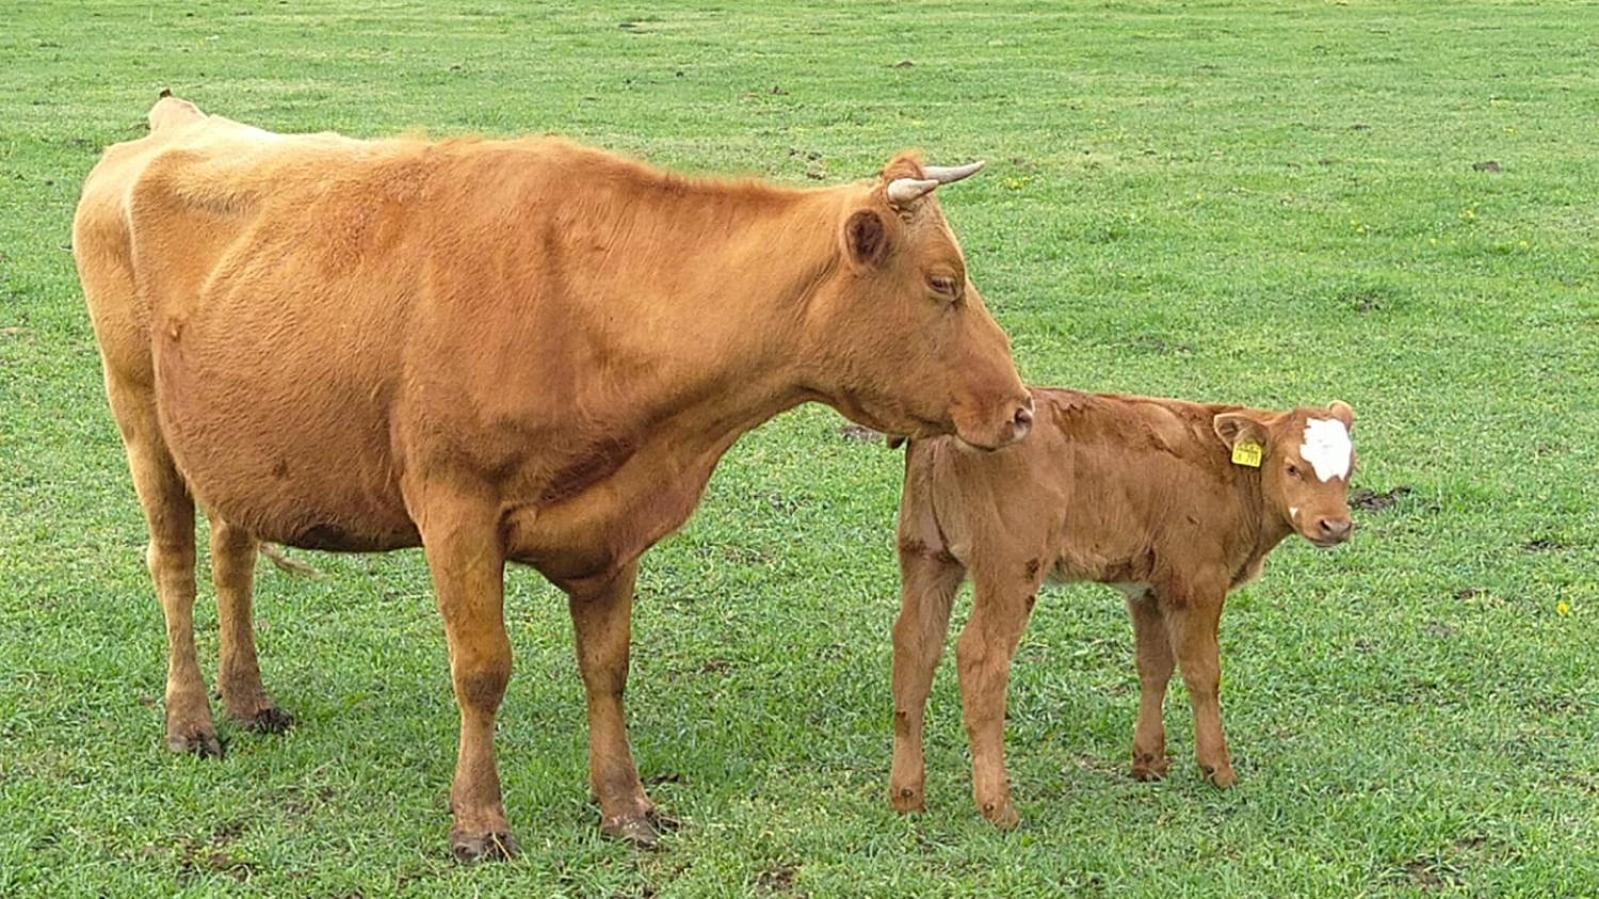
(722, 318)
(1263, 529)
(711, 353)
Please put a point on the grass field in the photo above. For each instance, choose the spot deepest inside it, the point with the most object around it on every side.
(1266, 204)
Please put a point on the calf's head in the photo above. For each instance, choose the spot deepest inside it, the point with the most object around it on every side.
(898, 336)
(1306, 457)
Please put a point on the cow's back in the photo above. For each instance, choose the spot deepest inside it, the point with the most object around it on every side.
(1103, 489)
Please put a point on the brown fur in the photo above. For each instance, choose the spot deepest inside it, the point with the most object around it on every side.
(1136, 492)
(500, 350)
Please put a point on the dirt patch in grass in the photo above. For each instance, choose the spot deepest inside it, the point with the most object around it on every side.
(776, 879)
(1369, 500)
(1441, 630)
(1543, 545)
(196, 859)
(1430, 875)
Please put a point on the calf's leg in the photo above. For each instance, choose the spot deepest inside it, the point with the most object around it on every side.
(169, 512)
(1155, 664)
(233, 553)
(602, 625)
(1192, 625)
(468, 567)
(928, 583)
(983, 654)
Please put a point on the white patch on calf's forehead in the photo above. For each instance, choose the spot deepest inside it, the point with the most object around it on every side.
(1293, 512)
(1327, 448)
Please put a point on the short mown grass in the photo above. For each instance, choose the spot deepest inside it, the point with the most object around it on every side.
(1271, 204)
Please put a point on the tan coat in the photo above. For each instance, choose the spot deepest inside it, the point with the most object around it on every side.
(519, 350)
(1138, 493)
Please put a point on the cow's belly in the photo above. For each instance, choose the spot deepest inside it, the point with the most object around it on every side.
(283, 437)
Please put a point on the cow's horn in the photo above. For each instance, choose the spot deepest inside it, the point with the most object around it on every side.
(951, 174)
(902, 191)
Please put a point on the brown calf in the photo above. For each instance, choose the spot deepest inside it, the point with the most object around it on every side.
(1172, 503)
(500, 351)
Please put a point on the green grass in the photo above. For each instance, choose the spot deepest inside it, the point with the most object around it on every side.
(1266, 204)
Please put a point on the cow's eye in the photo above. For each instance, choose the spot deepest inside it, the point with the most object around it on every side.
(945, 286)
(1293, 470)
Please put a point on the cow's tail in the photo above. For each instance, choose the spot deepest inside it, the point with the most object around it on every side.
(277, 556)
(169, 111)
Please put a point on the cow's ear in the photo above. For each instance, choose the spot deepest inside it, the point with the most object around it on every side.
(1239, 427)
(866, 237)
(1343, 412)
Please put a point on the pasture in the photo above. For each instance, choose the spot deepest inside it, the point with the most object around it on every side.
(1390, 204)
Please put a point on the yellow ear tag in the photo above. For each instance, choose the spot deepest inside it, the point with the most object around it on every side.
(1248, 453)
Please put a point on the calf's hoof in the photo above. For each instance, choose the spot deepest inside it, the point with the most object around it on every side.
(203, 743)
(270, 720)
(1002, 814)
(639, 830)
(1222, 777)
(1147, 767)
(907, 800)
(481, 847)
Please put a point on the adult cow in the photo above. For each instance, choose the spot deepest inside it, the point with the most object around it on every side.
(518, 350)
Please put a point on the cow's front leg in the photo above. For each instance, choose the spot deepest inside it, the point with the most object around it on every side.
(468, 565)
(1155, 664)
(928, 583)
(602, 626)
(1192, 624)
(983, 654)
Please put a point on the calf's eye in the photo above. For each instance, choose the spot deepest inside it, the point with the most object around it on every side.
(1293, 470)
(943, 285)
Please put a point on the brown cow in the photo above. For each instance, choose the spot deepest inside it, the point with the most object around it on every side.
(1172, 503)
(519, 350)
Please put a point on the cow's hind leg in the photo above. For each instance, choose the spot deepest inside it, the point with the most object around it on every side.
(602, 625)
(169, 512)
(233, 555)
(929, 579)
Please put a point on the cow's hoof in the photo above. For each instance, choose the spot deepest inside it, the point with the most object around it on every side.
(196, 742)
(907, 800)
(1223, 777)
(1002, 815)
(640, 831)
(482, 847)
(270, 720)
(1150, 767)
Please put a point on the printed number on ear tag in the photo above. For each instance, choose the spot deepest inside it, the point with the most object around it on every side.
(1247, 454)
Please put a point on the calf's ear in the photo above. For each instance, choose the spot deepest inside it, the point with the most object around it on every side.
(1237, 427)
(866, 237)
(1343, 412)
